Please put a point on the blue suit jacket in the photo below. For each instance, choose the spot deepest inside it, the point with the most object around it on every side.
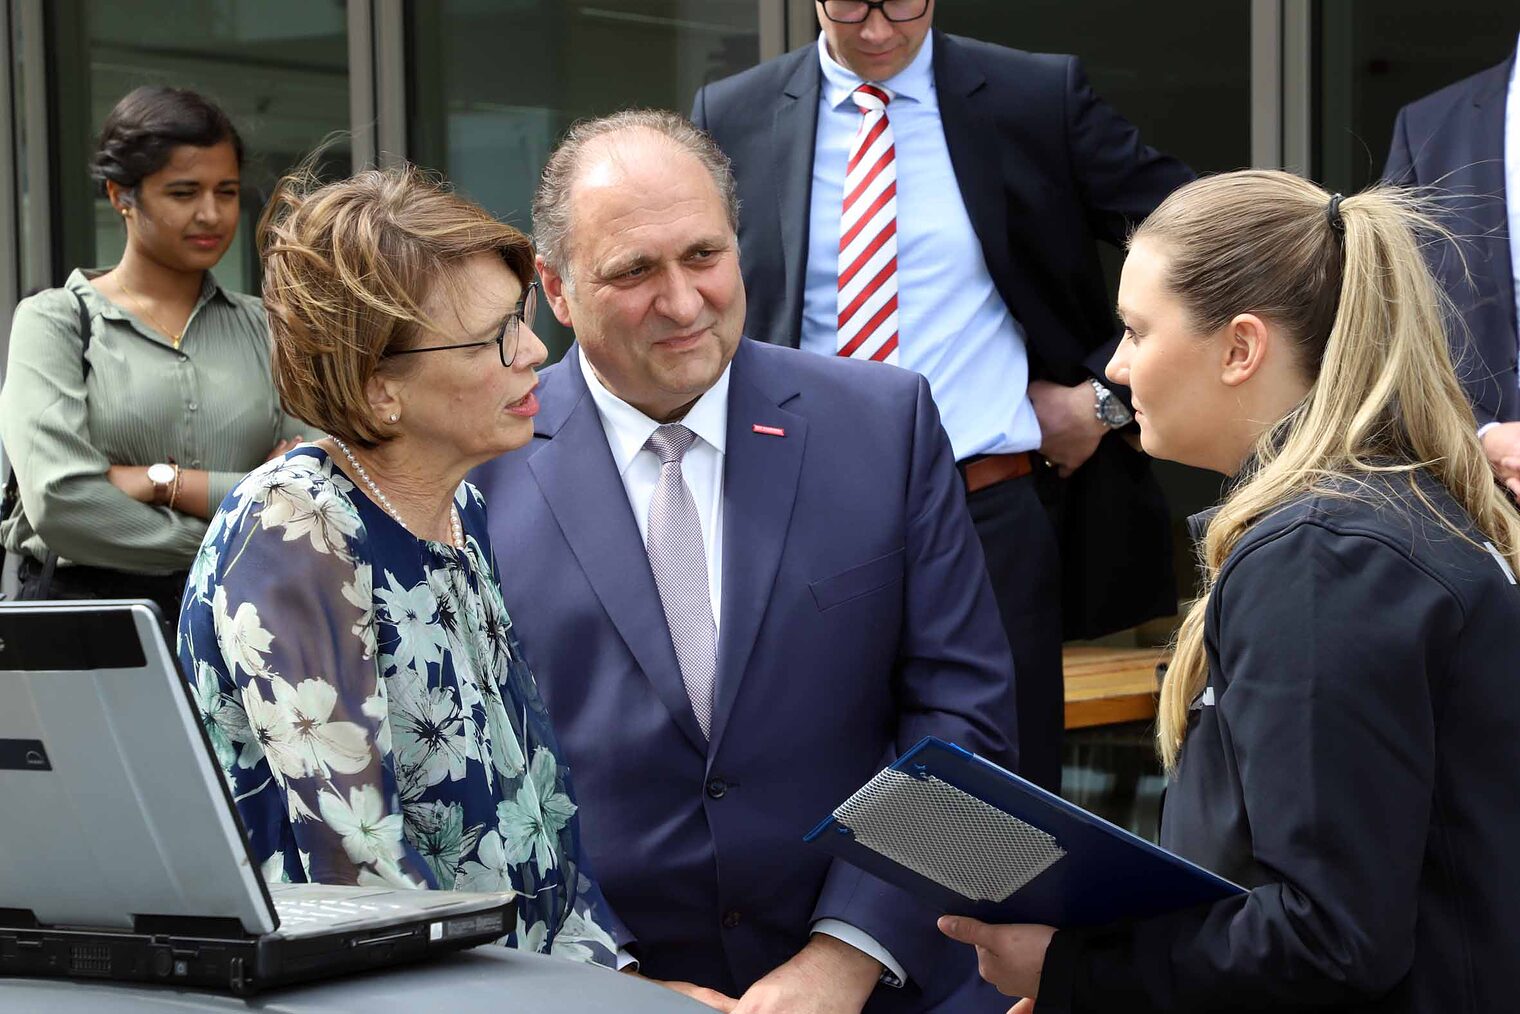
(856, 618)
(1453, 141)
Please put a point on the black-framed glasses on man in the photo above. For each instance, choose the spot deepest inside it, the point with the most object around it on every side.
(506, 336)
(853, 12)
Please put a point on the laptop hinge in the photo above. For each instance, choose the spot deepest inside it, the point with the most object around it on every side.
(217, 927)
(18, 918)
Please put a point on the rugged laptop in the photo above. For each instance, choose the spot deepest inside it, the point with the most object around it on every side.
(121, 853)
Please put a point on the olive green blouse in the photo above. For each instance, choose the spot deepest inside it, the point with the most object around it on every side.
(209, 405)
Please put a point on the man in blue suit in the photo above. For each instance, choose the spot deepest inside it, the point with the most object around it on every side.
(1455, 142)
(747, 579)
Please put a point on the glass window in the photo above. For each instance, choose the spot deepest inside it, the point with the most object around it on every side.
(1376, 57)
(494, 84)
(279, 68)
(1184, 80)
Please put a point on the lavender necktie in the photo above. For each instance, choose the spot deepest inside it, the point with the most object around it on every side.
(679, 563)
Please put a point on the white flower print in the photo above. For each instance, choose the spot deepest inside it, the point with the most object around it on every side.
(241, 636)
(446, 594)
(273, 869)
(437, 831)
(496, 629)
(430, 734)
(531, 822)
(531, 938)
(414, 613)
(575, 933)
(296, 804)
(225, 720)
(325, 746)
(272, 477)
(271, 730)
(327, 519)
(377, 710)
(506, 751)
(490, 870)
(360, 594)
(203, 570)
(369, 833)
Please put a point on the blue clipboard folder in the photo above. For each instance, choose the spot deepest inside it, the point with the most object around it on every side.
(971, 838)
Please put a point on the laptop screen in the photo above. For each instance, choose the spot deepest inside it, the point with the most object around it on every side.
(114, 807)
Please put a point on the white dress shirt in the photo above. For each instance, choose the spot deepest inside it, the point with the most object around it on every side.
(955, 330)
(627, 431)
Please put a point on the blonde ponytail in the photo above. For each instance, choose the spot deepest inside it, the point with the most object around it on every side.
(1359, 299)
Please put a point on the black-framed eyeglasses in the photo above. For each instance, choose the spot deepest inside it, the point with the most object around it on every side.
(505, 339)
(853, 12)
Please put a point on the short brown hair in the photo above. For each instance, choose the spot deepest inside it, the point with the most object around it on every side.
(347, 267)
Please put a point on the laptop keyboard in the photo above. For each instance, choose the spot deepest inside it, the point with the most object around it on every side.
(305, 912)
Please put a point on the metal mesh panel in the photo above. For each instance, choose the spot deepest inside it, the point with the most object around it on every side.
(949, 836)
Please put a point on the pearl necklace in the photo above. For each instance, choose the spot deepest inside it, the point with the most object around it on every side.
(456, 529)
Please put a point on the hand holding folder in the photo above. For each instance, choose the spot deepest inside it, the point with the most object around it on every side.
(971, 838)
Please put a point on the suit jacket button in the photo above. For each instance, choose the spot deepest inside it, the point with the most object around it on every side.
(730, 919)
(717, 788)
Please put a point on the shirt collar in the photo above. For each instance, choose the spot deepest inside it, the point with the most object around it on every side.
(915, 82)
(79, 282)
(628, 429)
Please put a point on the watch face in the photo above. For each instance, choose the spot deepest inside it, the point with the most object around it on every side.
(160, 475)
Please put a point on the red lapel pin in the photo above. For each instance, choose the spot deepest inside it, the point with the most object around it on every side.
(770, 431)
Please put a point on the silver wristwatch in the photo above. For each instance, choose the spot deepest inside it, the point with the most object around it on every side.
(1109, 410)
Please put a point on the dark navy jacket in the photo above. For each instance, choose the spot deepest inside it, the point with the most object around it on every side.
(856, 618)
(1355, 761)
(1453, 141)
(1046, 170)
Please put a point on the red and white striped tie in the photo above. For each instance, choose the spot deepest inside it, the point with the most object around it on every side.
(868, 236)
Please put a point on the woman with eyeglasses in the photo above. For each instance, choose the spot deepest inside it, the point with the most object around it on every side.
(343, 628)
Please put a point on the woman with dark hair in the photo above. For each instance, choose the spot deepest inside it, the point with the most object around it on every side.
(136, 397)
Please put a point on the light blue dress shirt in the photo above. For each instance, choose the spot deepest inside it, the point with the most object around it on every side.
(954, 327)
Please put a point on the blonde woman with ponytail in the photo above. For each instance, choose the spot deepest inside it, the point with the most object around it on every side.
(1340, 722)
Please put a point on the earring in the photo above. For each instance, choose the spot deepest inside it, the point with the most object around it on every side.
(395, 418)
(123, 212)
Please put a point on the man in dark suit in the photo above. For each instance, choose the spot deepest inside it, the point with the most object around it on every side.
(746, 579)
(993, 173)
(1455, 142)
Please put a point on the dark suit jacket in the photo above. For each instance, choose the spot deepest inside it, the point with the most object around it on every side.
(1044, 168)
(856, 619)
(1355, 766)
(1453, 140)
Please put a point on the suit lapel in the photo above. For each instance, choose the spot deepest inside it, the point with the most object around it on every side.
(759, 487)
(579, 479)
(973, 140)
(793, 135)
(1489, 172)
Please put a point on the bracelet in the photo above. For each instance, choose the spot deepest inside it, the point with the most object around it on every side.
(174, 489)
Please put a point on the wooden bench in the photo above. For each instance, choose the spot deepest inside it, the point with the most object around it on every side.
(1107, 686)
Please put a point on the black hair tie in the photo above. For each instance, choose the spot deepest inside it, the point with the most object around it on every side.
(1333, 214)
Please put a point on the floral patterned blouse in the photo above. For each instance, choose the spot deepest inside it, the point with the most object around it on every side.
(367, 698)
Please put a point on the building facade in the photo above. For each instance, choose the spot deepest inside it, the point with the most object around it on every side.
(480, 89)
